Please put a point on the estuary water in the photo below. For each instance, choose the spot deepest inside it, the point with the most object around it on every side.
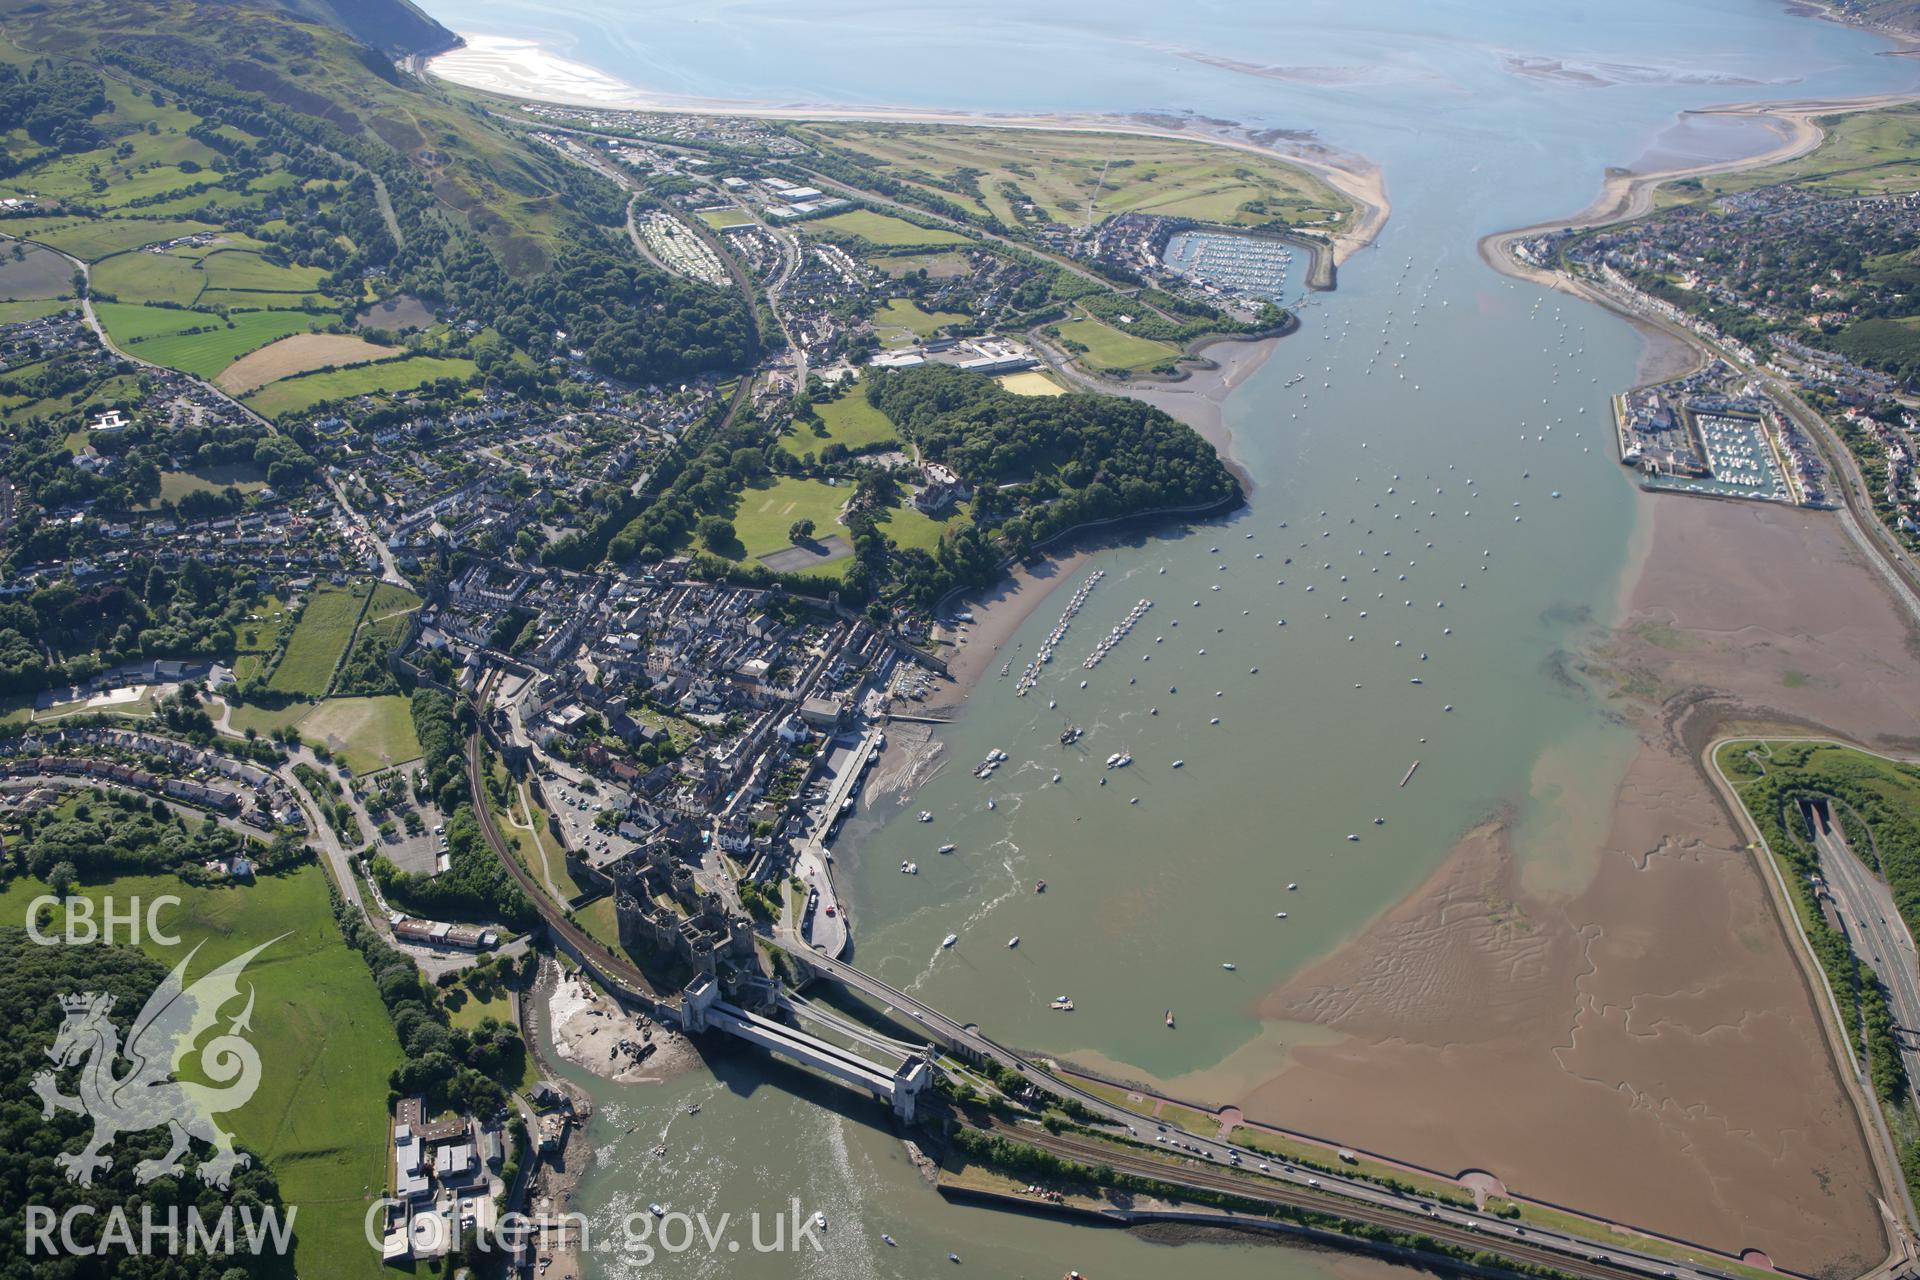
(1438, 521)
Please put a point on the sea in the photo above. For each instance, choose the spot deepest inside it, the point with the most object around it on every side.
(1438, 530)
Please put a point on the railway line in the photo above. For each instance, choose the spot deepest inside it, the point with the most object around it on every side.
(1506, 1239)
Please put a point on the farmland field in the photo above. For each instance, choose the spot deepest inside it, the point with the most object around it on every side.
(33, 309)
(297, 354)
(94, 239)
(150, 277)
(325, 1042)
(206, 354)
(36, 273)
(319, 639)
(292, 394)
(231, 269)
(883, 229)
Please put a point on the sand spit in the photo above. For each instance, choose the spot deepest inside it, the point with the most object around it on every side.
(1627, 194)
(1656, 1020)
(518, 68)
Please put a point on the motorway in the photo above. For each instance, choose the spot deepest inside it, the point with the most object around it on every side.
(1878, 935)
(1327, 1192)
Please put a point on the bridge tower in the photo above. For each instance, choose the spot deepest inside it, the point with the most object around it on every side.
(914, 1078)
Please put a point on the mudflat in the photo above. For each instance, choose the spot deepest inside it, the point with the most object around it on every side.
(1644, 1046)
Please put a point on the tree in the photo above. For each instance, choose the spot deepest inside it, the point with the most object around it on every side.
(717, 532)
(60, 878)
(800, 531)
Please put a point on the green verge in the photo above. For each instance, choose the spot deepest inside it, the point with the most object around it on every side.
(326, 1046)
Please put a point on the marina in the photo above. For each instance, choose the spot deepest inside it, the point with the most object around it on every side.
(1242, 266)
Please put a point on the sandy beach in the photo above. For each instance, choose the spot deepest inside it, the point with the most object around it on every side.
(587, 1027)
(516, 68)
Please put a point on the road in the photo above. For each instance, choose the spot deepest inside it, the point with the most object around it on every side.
(1878, 934)
(1284, 1188)
(1902, 1253)
(389, 569)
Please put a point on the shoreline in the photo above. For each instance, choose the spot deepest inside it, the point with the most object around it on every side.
(510, 67)
(1626, 194)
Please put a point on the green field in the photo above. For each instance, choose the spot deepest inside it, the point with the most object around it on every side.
(366, 734)
(232, 269)
(326, 1046)
(850, 421)
(907, 526)
(319, 639)
(94, 239)
(155, 333)
(766, 513)
(149, 277)
(31, 272)
(1110, 348)
(901, 320)
(883, 229)
(290, 395)
(244, 476)
(31, 309)
(721, 219)
(938, 266)
(1064, 175)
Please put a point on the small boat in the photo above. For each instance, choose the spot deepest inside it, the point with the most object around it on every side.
(946, 848)
(1013, 942)
(1169, 1017)
(1279, 915)
(1352, 836)
(657, 1211)
(1061, 1004)
(950, 940)
(1178, 764)
(991, 804)
(819, 1219)
(1039, 886)
(1228, 965)
(953, 1257)
(925, 816)
(888, 1240)
(693, 1108)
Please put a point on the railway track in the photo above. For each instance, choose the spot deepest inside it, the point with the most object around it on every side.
(1500, 1241)
(617, 972)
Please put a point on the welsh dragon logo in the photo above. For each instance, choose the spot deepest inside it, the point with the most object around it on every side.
(147, 1096)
